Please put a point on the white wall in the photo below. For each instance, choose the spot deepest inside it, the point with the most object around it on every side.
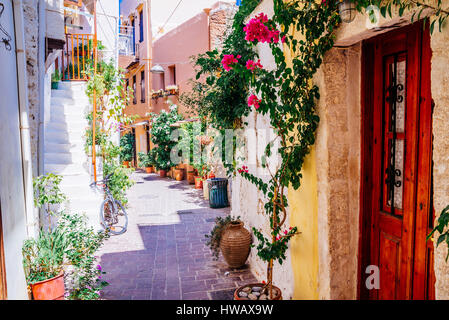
(11, 175)
(247, 201)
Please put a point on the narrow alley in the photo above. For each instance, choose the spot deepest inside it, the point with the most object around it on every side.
(163, 255)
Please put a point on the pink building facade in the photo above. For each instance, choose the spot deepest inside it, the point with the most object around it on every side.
(174, 50)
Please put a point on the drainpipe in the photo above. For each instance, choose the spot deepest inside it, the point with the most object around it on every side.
(32, 224)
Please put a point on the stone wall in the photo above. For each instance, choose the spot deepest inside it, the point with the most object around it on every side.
(31, 25)
(338, 172)
(220, 21)
(440, 95)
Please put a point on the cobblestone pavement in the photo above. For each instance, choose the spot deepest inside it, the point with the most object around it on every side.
(163, 255)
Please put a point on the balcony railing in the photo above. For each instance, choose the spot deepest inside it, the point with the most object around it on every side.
(126, 41)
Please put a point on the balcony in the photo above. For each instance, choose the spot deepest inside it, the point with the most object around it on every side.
(126, 41)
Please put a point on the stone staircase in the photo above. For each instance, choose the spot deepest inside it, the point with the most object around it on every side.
(64, 149)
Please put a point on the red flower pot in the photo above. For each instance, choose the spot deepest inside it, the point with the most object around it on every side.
(198, 183)
(51, 289)
(162, 173)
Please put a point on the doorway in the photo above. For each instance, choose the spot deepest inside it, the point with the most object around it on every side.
(396, 208)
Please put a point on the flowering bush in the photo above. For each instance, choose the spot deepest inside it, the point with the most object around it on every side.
(229, 60)
(161, 136)
(257, 30)
(252, 65)
(254, 101)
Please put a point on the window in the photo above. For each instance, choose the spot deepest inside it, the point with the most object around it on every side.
(142, 86)
(141, 25)
(172, 75)
(133, 24)
(134, 89)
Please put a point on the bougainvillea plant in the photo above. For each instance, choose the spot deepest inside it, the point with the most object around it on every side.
(287, 96)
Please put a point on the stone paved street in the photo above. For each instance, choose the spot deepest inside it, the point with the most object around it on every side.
(163, 254)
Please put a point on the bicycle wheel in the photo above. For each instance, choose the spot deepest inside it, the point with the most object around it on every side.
(113, 217)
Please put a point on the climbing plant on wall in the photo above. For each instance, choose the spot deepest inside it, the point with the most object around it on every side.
(232, 82)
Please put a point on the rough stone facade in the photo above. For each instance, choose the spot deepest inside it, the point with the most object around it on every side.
(338, 172)
(440, 96)
(31, 24)
(220, 21)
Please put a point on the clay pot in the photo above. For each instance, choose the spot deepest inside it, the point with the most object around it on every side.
(162, 173)
(198, 183)
(126, 164)
(211, 175)
(179, 174)
(277, 293)
(149, 169)
(235, 244)
(51, 289)
(191, 177)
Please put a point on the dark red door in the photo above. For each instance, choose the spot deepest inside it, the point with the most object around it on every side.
(397, 174)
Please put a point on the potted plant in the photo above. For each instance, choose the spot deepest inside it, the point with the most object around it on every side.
(161, 137)
(172, 89)
(231, 238)
(43, 260)
(178, 173)
(144, 162)
(127, 149)
(55, 78)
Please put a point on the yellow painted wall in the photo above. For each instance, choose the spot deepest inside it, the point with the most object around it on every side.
(303, 205)
(304, 247)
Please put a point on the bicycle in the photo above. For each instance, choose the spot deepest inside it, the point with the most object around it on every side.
(113, 216)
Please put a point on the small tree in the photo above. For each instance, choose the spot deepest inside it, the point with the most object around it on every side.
(161, 136)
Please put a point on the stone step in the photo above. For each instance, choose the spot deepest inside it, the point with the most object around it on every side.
(52, 147)
(69, 93)
(72, 125)
(79, 100)
(64, 169)
(55, 137)
(65, 158)
(67, 85)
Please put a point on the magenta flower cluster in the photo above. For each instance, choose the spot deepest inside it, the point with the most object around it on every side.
(257, 30)
(243, 169)
(253, 65)
(229, 60)
(254, 101)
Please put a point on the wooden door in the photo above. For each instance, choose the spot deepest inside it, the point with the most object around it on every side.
(396, 208)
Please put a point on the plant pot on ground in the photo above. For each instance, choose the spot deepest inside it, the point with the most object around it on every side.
(198, 182)
(191, 177)
(256, 291)
(231, 238)
(50, 289)
(55, 78)
(162, 173)
(126, 164)
(179, 174)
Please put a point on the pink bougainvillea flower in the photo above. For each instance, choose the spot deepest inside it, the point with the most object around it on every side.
(285, 232)
(243, 169)
(283, 39)
(257, 30)
(254, 101)
(229, 60)
(278, 238)
(252, 65)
